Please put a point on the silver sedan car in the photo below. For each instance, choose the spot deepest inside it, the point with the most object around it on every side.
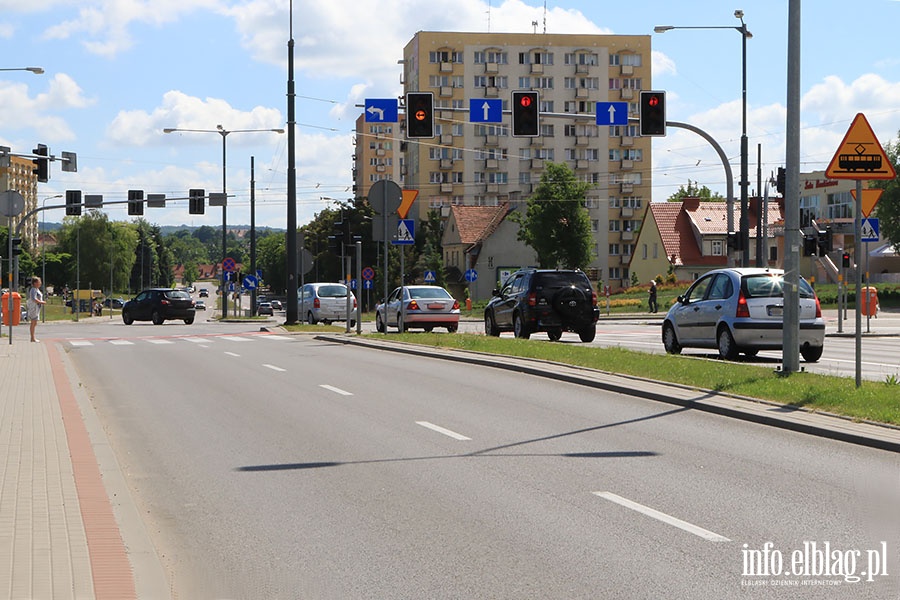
(741, 310)
(420, 306)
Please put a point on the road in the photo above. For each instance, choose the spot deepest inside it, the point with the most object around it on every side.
(280, 466)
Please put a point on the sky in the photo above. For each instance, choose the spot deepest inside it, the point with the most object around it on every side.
(117, 72)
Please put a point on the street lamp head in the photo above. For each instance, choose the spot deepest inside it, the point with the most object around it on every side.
(35, 70)
(738, 14)
(168, 130)
(220, 128)
(663, 28)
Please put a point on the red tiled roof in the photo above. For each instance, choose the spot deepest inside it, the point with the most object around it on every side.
(477, 223)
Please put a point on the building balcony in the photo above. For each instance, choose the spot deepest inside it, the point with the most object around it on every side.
(492, 140)
(626, 236)
(582, 92)
(445, 115)
(581, 68)
(446, 188)
(446, 139)
(626, 94)
(626, 188)
(446, 163)
(537, 68)
(626, 211)
(627, 165)
(491, 92)
(582, 140)
(492, 188)
(380, 152)
(627, 70)
(537, 163)
(627, 140)
(446, 91)
(582, 165)
(491, 67)
(446, 67)
(492, 163)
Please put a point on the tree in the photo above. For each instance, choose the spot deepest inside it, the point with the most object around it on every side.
(431, 258)
(888, 208)
(91, 248)
(692, 191)
(556, 223)
(271, 257)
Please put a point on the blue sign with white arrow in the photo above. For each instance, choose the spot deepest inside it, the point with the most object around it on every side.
(381, 110)
(471, 275)
(250, 282)
(612, 113)
(485, 110)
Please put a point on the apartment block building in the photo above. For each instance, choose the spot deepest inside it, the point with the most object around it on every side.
(19, 176)
(378, 154)
(482, 164)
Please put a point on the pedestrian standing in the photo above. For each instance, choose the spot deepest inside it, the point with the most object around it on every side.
(652, 302)
(34, 303)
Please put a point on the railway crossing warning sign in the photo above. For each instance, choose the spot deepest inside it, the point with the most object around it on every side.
(860, 155)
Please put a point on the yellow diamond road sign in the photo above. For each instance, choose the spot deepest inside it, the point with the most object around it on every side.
(860, 155)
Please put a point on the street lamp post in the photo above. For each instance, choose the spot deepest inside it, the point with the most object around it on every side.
(745, 181)
(35, 70)
(224, 133)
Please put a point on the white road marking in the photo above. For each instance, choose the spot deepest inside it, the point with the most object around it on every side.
(274, 368)
(447, 432)
(233, 354)
(81, 343)
(660, 516)
(196, 340)
(336, 390)
(121, 342)
(273, 336)
(235, 338)
(160, 341)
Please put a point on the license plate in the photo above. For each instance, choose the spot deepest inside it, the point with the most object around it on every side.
(436, 306)
(776, 311)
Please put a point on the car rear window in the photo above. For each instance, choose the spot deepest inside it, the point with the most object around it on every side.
(560, 280)
(332, 291)
(429, 293)
(177, 295)
(772, 286)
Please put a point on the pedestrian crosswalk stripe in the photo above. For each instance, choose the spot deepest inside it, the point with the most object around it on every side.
(81, 343)
(122, 342)
(160, 341)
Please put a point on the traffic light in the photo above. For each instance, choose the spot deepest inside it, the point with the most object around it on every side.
(196, 201)
(810, 245)
(135, 202)
(824, 241)
(779, 180)
(42, 165)
(16, 246)
(653, 114)
(419, 115)
(73, 203)
(845, 260)
(525, 112)
(734, 240)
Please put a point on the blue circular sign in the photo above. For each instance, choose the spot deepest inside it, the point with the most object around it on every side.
(471, 275)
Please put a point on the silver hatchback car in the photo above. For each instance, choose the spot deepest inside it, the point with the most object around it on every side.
(326, 302)
(741, 310)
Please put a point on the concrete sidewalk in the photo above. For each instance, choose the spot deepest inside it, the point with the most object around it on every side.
(59, 534)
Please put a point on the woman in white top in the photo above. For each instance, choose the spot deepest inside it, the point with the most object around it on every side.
(35, 301)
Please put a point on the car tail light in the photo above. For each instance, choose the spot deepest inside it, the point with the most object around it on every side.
(532, 299)
(456, 305)
(164, 302)
(413, 305)
(317, 303)
(818, 309)
(354, 301)
(742, 309)
(593, 298)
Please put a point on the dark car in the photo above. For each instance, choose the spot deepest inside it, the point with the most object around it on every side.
(159, 305)
(547, 300)
(265, 308)
(114, 303)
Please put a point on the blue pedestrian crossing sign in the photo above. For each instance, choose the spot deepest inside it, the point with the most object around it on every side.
(406, 232)
(868, 231)
(430, 276)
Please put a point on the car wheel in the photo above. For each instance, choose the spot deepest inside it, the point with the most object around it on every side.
(555, 335)
(189, 321)
(126, 318)
(428, 329)
(588, 333)
(352, 323)
(452, 328)
(310, 319)
(401, 323)
(379, 323)
(490, 325)
(811, 353)
(519, 328)
(727, 348)
(751, 352)
(157, 318)
(670, 340)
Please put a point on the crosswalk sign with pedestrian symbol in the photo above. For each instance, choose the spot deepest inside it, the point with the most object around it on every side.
(869, 230)
(406, 232)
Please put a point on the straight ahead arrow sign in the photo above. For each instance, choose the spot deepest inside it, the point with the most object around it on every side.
(612, 113)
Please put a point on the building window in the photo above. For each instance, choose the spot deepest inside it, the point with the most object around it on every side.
(717, 248)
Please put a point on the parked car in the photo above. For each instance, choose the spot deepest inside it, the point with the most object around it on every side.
(114, 302)
(325, 302)
(264, 308)
(204, 293)
(741, 310)
(549, 300)
(159, 305)
(420, 306)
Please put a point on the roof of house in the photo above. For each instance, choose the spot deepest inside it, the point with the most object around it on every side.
(477, 223)
(677, 221)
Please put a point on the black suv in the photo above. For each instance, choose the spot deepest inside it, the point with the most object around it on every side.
(159, 305)
(534, 300)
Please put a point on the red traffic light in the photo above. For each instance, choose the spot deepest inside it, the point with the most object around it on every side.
(525, 100)
(653, 101)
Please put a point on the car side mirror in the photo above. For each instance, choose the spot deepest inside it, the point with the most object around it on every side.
(681, 300)
(495, 292)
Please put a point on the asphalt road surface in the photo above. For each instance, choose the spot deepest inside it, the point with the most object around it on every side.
(275, 466)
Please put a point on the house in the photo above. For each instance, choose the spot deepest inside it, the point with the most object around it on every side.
(690, 238)
(483, 239)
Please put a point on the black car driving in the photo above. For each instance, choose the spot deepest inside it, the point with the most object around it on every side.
(159, 305)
